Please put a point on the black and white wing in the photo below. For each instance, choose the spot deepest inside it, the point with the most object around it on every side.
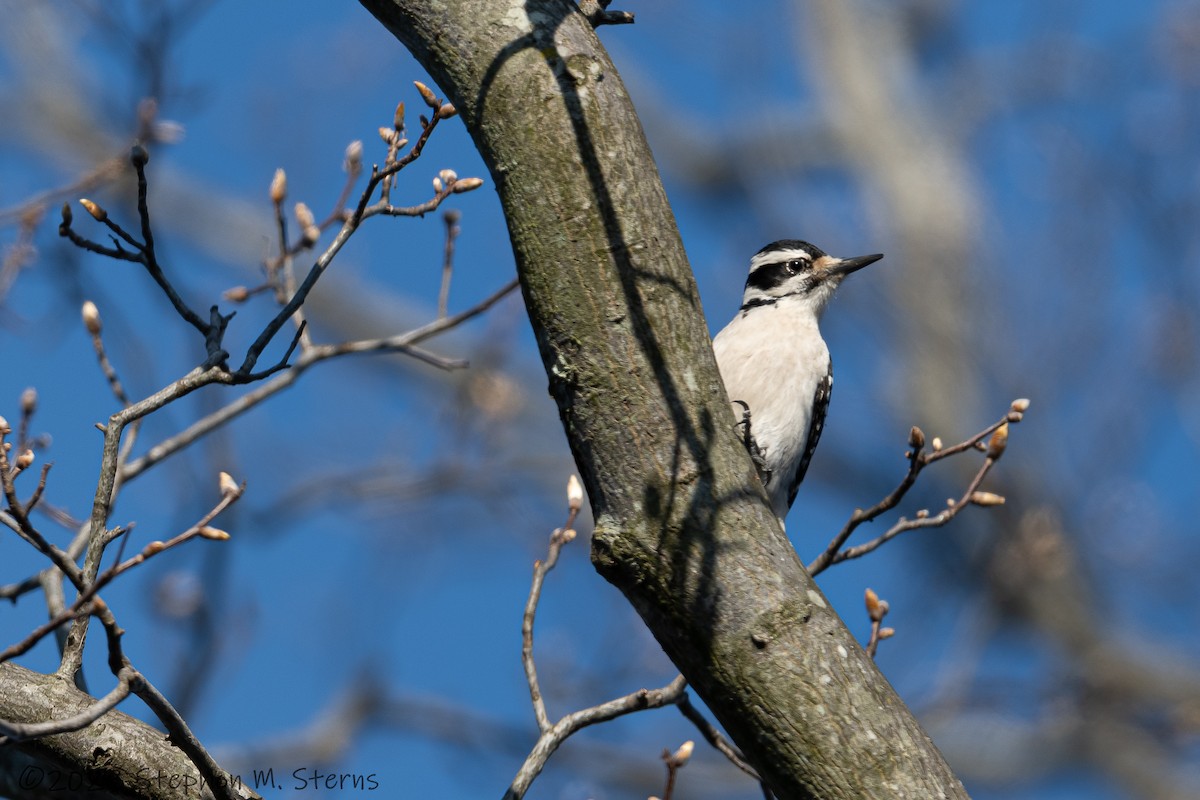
(815, 426)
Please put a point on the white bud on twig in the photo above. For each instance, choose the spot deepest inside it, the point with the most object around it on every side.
(986, 499)
(228, 485)
(29, 399)
(308, 224)
(1021, 405)
(216, 534)
(25, 460)
(467, 184)
(681, 756)
(91, 317)
(437, 185)
(98, 213)
(278, 187)
(354, 152)
(574, 493)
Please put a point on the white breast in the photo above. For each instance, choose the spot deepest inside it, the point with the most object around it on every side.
(773, 359)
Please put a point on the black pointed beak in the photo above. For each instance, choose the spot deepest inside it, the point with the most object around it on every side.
(845, 266)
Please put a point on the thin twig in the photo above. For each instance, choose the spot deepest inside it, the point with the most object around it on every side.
(451, 219)
(108, 478)
(401, 343)
(558, 538)
(713, 736)
(934, 521)
(918, 459)
(349, 226)
(876, 610)
(20, 522)
(80, 608)
(21, 731)
(182, 737)
(150, 259)
(550, 741)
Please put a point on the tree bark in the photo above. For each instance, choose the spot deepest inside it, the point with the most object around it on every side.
(115, 757)
(682, 525)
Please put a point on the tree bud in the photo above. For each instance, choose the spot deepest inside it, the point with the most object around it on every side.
(354, 152)
(237, 294)
(986, 499)
(574, 493)
(97, 212)
(91, 317)
(681, 756)
(467, 184)
(916, 438)
(998, 442)
(278, 187)
(216, 534)
(427, 95)
(228, 485)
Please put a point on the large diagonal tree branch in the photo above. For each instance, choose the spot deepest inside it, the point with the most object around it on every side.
(682, 526)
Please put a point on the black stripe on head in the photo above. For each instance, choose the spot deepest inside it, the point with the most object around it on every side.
(779, 262)
(771, 276)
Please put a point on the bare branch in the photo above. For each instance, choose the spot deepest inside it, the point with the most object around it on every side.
(554, 735)
(713, 736)
(918, 459)
(550, 741)
(451, 219)
(20, 731)
(558, 538)
(401, 343)
(180, 735)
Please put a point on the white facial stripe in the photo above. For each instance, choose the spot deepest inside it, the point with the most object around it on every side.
(777, 257)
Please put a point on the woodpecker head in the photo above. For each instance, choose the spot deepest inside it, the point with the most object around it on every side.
(791, 268)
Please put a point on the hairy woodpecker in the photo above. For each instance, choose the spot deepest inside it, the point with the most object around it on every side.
(775, 364)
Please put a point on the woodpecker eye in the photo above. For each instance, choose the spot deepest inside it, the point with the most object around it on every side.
(769, 277)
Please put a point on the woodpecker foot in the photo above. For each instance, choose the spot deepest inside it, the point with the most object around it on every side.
(757, 454)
